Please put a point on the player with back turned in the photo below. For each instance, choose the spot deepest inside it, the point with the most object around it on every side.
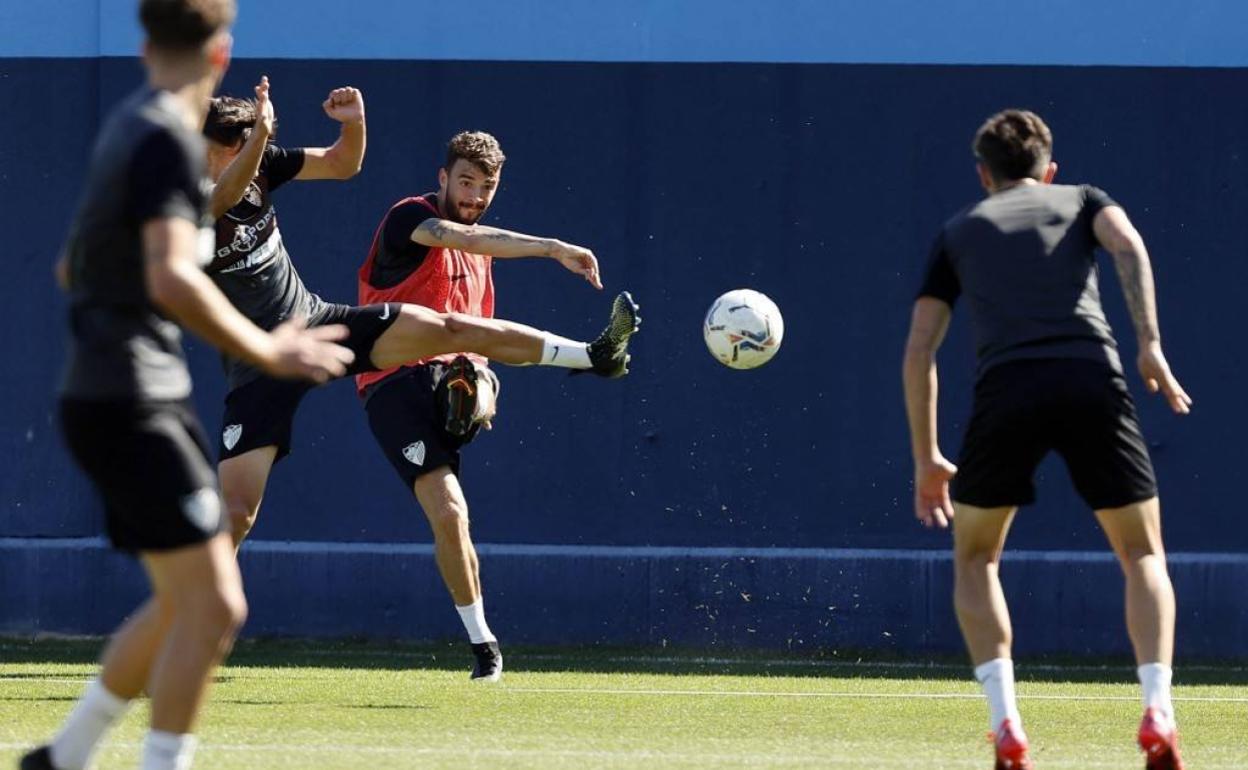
(1049, 379)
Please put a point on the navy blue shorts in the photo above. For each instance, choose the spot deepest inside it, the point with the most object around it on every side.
(1079, 409)
(410, 424)
(149, 462)
(261, 413)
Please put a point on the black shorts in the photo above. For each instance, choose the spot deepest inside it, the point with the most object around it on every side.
(150, 464)
(1080, 409)
(262, 412)
(410, 425)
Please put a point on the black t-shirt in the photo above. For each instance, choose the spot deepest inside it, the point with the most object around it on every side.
(1025, 260)
(146, 165)
(399, 256)
(251, 265)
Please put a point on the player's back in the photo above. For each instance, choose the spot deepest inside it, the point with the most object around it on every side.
(146, 164)
(1025, 259)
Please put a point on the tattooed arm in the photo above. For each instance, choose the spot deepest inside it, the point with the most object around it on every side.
(496, 242)
(1119, 237)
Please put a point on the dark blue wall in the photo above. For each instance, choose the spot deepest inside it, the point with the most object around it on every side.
(820, 185)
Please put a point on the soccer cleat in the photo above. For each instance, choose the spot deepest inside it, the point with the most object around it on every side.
(39, 759)
(489, 664)
(608, 354)
(457, 393)
(1011, 746)
(1159, 739)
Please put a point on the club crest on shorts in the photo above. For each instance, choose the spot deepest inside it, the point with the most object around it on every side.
(203, 509)
(231, 435)
(415, 453)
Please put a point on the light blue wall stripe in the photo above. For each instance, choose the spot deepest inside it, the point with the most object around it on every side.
(633, 552)
(1058, 32)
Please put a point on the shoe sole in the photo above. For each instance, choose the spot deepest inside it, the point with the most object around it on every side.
(624, 307)
(461, 385)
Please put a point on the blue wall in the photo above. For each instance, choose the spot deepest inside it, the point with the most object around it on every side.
(819, 184)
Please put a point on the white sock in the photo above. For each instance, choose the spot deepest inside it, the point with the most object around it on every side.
(561, 351)
(473, 616)
(997, 678)
(168, 751)
(1155, 682)
(95, 712)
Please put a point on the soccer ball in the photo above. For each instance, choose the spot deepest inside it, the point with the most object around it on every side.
(743, 329)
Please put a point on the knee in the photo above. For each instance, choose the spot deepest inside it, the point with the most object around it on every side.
(465, 330)
(242, 513)
(450, 521)
(227, 610)
(975, 561)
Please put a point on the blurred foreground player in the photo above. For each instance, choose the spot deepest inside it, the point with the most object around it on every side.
(132, 262)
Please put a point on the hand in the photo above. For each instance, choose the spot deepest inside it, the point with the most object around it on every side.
(309, 354)
(1157, 377)
(487, 398)
(579, 260)
(345, 105)
(932, 505)
(266, 118)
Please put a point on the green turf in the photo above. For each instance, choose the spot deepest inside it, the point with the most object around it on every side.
(336, 706)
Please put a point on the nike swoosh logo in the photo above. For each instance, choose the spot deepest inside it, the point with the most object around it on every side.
(385, 311)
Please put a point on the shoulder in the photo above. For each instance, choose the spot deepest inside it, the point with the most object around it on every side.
(417, 207)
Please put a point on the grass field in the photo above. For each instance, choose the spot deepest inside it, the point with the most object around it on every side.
(333, 706)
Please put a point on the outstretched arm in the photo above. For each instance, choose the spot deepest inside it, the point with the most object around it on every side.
(232, 184)
(932, 472)
(1119, 237)
(345, 157)
(480, 239)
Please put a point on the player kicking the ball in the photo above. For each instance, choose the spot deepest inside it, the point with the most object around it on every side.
(429, 250)
(395, 325)
(1049, 379)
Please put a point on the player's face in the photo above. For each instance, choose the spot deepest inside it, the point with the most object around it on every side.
(467, 191)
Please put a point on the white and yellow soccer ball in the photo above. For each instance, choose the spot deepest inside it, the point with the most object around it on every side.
(743, 329)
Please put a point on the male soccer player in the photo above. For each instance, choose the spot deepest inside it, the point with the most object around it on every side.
(430, 250)
(132, 262)
(1049, 378)
(252, 267)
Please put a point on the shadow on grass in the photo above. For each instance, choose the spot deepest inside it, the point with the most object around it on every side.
(455, 657)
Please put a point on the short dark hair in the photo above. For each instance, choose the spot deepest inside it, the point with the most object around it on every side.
(184, 25)
(478, 148)
(1014, 144)
(231, 119)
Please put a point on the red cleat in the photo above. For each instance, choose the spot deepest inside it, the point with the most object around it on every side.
(1011, 746)
(1159, 739)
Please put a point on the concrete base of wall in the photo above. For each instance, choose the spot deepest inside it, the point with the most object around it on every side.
(799, 599)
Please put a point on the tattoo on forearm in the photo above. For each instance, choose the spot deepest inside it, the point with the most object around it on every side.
(1137, 286)
(437, 228)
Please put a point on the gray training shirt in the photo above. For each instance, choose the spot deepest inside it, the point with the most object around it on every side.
(251, 265)
(1025, 259)
(146, 165)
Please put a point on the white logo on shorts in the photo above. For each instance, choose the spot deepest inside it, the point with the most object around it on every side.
(385, 311)
(203, 509)
(231, 435)
(415, 453)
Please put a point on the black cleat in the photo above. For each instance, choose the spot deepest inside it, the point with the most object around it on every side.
(39, 759)
(609, 353)
(489, 664)
(457, 393)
